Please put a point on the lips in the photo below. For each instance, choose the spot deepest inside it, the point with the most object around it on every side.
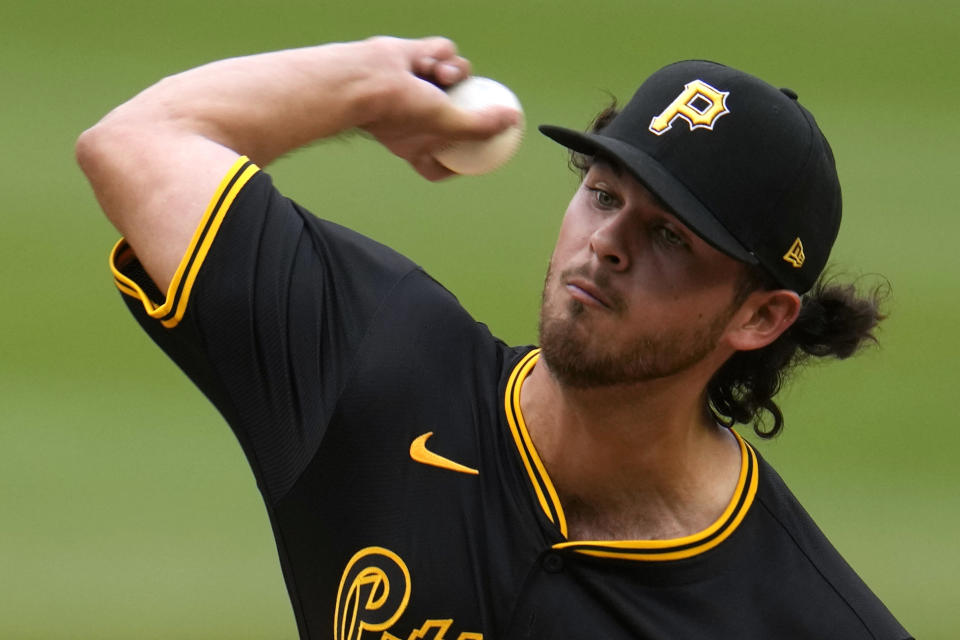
(587, 291)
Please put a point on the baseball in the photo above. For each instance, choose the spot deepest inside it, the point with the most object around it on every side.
(475, 157)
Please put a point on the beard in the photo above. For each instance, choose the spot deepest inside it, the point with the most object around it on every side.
(578, 358)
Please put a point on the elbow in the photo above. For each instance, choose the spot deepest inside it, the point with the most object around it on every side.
(102, 146)
(94, 149)
(88, 148)
(124, 136)
(96, 153)
(118, 133)
(106, 153)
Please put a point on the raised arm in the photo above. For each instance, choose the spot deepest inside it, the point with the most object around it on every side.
(154, 161)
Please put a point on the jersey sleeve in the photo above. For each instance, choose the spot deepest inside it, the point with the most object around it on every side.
(266, 313)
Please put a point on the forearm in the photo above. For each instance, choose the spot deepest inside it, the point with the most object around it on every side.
(263, 105)
(154, 161)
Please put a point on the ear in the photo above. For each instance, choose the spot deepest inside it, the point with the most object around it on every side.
(762, 318)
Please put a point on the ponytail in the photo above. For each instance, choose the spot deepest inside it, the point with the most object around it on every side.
(834, 320)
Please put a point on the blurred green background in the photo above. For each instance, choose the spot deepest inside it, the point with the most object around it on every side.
(126, 507)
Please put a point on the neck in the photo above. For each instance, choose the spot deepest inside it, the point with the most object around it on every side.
(643, 461)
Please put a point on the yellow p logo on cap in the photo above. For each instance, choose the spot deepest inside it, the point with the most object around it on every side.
(699, 104)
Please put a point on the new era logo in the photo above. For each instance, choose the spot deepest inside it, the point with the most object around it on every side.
(795, 255)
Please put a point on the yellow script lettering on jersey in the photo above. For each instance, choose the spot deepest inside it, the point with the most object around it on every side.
(374, 592)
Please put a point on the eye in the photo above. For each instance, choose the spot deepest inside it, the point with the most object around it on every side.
(603, 198)
(670, 237)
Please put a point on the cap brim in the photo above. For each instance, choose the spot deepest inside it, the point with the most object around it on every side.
(651, 173)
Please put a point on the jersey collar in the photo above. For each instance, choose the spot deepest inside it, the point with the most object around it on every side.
(642, 550)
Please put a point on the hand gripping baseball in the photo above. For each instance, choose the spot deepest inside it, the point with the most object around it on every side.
(414, 117)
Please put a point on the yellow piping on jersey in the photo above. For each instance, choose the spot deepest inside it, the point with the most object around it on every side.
(528, 453)
(642, 550)
(688, 546)
(171, 310)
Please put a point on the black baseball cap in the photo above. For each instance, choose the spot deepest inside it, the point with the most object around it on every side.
(742, 164)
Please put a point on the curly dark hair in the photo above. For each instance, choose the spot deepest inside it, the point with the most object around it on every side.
(835, 319)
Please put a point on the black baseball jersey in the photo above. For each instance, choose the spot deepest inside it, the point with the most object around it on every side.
(408, 502)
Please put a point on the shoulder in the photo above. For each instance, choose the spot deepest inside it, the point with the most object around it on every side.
(261, 216)
(794, 533)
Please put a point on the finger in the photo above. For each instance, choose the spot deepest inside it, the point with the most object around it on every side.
(478, 124)
(424, 66)
(451, 71)
(437, 47)
(436, 58)
(428, 167)
(442, 72)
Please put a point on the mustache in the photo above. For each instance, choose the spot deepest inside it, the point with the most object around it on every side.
(600, 279)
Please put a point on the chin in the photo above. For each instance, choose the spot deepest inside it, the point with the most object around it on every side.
(580, 356)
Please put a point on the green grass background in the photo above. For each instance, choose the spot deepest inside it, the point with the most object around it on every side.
(126, 508)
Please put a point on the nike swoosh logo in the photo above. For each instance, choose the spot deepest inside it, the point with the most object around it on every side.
(420, 453)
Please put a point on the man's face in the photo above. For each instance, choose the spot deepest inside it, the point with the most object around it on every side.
(631, 294)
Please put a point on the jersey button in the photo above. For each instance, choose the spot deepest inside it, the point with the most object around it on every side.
(553, 562)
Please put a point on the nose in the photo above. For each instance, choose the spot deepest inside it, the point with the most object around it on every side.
(609, 242)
